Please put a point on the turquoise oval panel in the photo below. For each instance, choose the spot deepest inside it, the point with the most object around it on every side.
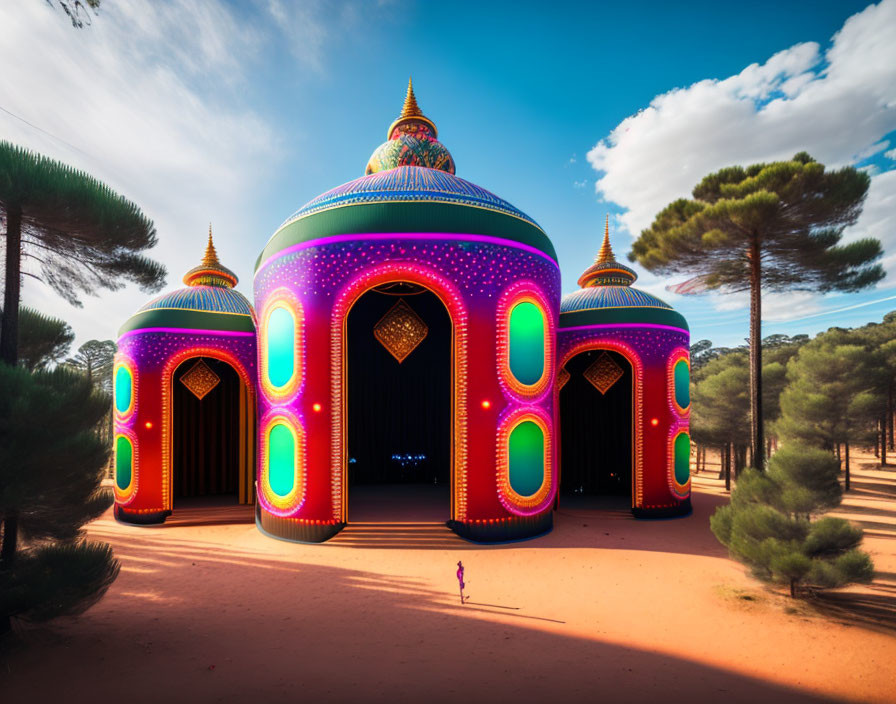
(280, 345)
(281, 459)
(124, 388)
(124, 462)
(526, 458)
(682, 380)
(527, 342)
(682, 452)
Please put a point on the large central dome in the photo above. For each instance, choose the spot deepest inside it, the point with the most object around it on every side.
(410, 187)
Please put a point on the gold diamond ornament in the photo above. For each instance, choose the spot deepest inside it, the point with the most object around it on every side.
(200, 380)
(400, 330)
(562, 377)
(603, 373)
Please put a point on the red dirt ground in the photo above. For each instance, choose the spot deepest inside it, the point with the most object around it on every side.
(604, 608)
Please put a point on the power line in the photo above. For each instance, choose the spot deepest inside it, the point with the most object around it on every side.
(49, 134)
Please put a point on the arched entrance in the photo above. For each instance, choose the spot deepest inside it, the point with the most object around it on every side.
(398, 386)
(596, 425)
(212, 435)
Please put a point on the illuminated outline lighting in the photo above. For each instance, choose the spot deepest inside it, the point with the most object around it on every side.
(174, 361)
(124, 496)
(287, 300)
(681, 491)
(638, 409)
(528, 292)
(445, 290)
(124, 362)
(512, 501)
(273, 502)
(677, 355)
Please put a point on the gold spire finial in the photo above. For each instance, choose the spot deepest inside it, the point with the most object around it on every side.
(606, 251)
(410, 108)
(211, 256)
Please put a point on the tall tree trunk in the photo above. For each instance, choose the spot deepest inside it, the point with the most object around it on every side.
(9, 328)
(9, 350)
(891, 417)
(883, 441)
(757, 428)
(728, 467)
(10, 540)
(846, 457)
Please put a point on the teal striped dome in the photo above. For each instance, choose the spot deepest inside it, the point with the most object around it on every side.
(208, 299)
(607, 297)
(409, 184)
(208, 302)
(412, 199)
(610, 297)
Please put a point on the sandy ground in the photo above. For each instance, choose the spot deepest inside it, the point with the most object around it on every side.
(603, 608)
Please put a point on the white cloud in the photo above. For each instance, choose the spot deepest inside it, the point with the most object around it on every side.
(837, 107)
(151, 99)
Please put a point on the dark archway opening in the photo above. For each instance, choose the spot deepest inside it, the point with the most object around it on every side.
(398, 377)
(596, 451)
(208, 434)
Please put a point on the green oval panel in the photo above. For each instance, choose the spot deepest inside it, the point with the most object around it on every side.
(526, 458)
(527, 342)
(681, 375)
(124, 386)
(281, 459)
(682, 451)
(281, 331)
(124, 462)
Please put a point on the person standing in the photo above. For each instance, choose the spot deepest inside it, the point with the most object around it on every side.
(460, 579)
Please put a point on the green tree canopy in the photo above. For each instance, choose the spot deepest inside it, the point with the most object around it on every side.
(83, 236)
(765, 227)
(834, 393)
(51, 468)
(95, 359)
(43, 339)
(771, 525)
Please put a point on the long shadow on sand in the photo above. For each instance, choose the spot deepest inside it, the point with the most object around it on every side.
(222, 624)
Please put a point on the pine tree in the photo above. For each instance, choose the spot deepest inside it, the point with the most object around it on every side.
(833, 395)
(766, 227)
(83, 236)
(43, 340)
(51, 468)
(773, 526)
(720, 415)
(95, 358)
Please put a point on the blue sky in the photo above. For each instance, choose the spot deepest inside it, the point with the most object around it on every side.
(239, 113)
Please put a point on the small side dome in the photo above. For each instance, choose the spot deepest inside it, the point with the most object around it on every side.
(209, 301)
(607, 296)
(412, 141)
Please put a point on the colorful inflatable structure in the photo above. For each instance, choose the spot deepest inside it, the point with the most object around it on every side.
(407, 329)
